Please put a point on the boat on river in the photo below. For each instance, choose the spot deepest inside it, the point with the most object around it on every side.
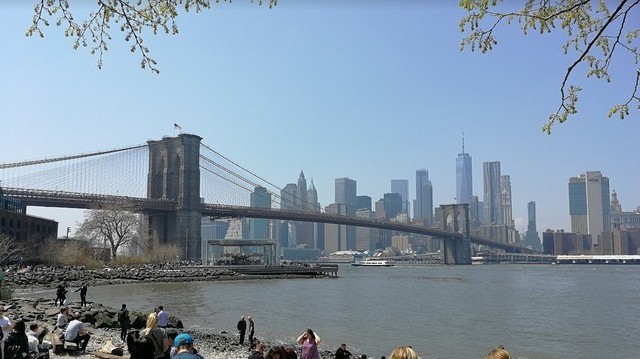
(373, 262)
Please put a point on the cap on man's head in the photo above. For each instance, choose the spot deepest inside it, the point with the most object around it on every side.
(182, 339)
(1, 308)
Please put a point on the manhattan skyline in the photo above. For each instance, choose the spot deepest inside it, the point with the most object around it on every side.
(368, 92)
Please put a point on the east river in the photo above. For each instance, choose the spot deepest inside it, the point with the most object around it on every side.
(535, 311)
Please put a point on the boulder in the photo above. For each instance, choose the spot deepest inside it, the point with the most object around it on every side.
(104, 320)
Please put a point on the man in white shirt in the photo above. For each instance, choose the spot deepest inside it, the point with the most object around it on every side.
(32, 338)
(5, 326)
(76, 333)
(163, 317)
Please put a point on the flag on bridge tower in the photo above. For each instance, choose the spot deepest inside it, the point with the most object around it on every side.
(177, 127)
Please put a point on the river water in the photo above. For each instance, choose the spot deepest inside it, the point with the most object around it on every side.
(535, 311)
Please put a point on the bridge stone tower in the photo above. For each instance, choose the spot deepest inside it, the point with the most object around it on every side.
(174, 174)
(455, 217)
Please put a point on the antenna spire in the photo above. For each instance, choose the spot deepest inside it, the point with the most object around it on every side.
(463, 142)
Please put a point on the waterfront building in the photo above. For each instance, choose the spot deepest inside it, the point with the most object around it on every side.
(532, 240)
(423, 204)
(620, 242)
(15, 222)
(401, 186)
(401, 243)
(589, 205)
(498, 232)
(566, 243)
(621, 219)
(464, 178)
(505, 190)
(492, 194)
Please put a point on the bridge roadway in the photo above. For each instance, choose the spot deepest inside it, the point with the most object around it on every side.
(61, 199)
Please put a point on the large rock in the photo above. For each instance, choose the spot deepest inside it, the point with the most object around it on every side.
(104, 320)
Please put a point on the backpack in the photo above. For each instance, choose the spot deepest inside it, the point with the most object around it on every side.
(13, 352)
(140, 346)
(123, 316)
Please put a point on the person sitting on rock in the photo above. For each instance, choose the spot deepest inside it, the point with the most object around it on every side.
(77, 334)
(16, 345)
(184, 347)
(258, 353)
(342, 352)
(63, 318)
(32, 337)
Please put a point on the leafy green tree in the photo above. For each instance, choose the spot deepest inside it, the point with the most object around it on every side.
(113, 226)
(132, 17)
(596, 30)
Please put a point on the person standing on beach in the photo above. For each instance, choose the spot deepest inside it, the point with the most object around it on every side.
(61, 294)
(163, 317)
(242, 329)
(309, 341)
(83, 295)
(251, 331)
(124, 320)
(157, 335)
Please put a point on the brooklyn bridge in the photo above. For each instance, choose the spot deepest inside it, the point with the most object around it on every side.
(175, 181)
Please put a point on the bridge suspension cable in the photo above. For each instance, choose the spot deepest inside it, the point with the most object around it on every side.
(274, 192)
(65, 158)
(120, 172)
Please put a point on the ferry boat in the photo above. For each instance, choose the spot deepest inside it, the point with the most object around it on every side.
(373, 262)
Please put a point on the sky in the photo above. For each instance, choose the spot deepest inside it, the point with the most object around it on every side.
(369, 90)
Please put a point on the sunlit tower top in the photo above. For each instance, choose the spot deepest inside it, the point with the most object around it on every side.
(464, 179)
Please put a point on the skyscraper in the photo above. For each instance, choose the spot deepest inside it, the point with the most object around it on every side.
(464, 179)
(423, 204)
(259, 227)
(346, 191)
(589, 204)
(505, 190)
(401, 187)
(492, 194)
(301, 193)
(341, 237)
(305, 234)
(288, 196)
(532, 239)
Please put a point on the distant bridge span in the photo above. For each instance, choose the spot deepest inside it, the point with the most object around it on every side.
(61, 199)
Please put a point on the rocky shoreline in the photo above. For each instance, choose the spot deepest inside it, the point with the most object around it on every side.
(50, 277)
(101, 320)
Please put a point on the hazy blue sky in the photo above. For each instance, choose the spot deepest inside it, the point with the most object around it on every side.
(370, 90)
